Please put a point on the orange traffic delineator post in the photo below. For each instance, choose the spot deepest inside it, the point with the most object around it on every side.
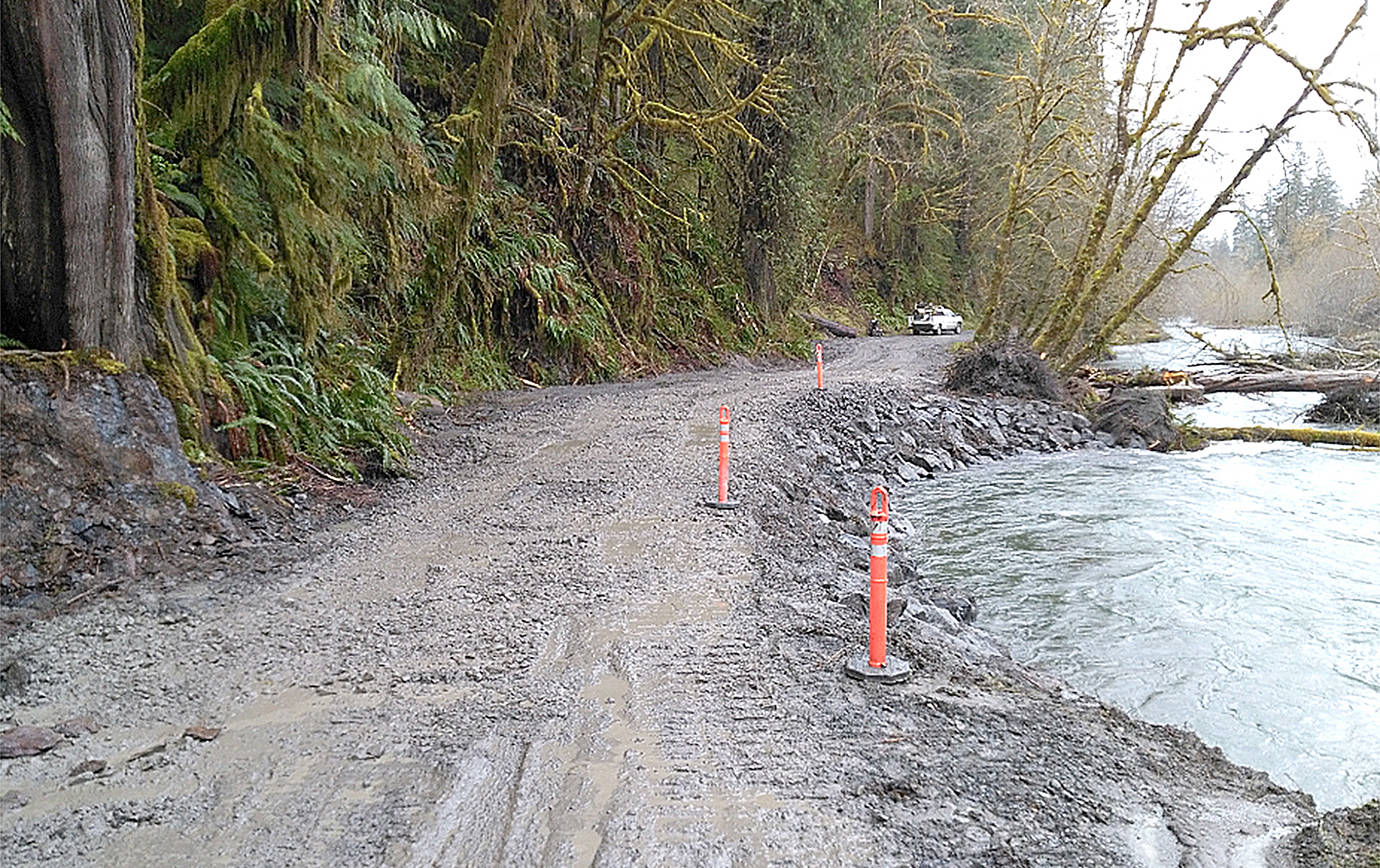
(723, 502)
(819, 366)
(875, 665)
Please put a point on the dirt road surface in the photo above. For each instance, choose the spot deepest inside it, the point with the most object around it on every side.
(545, 651)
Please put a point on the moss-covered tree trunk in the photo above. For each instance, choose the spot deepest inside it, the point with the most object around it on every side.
(759, 214)
(482, 120)
(67, 207)
(84, 254)
(1308, 436)
(870, 201)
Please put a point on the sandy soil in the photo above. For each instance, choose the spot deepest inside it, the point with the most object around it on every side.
(544, 650)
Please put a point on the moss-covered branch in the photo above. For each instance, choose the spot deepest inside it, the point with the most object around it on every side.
(205, 82)
(1175, 251)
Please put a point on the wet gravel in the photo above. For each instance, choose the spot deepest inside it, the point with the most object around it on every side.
(544, 649)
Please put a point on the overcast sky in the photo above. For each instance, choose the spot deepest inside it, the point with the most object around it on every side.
(1266, 85)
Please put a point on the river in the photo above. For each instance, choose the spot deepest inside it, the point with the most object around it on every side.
(1233, 591)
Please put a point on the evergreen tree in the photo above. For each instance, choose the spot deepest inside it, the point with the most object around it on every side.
(1287, 207)
(1323, 198)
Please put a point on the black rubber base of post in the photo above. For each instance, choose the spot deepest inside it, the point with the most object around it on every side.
(722, 504)
(895, 671)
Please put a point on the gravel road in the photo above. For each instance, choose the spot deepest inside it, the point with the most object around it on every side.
(544, 650)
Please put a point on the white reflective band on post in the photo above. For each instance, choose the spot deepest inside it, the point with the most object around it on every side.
(723, 438)
(879, 549)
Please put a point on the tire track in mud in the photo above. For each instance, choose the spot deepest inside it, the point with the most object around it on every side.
(626, 767)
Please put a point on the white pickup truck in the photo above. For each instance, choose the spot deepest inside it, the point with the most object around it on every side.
(934, 320)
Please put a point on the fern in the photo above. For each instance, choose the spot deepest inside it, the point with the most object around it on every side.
(415, 25)
(333, 407)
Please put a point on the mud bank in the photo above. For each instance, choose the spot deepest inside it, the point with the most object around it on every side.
(544, 650)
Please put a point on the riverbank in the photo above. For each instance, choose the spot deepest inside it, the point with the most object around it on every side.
(544, 649)
(980, 760)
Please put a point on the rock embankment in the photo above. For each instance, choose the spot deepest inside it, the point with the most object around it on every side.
(1347, 838)
(906, 435)
(978, 760)
(96, 488)
(836, 445)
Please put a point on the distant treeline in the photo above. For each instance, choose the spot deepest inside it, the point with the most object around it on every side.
(1322, 252)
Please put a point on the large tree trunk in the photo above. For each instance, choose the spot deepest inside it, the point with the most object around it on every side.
(757, 220)
(1192, 385)
(67, 208)
(1361, 439)
(1287, 381)
(837, 329)
(759, 211)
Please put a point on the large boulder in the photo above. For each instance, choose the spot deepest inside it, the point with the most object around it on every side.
(94, 479)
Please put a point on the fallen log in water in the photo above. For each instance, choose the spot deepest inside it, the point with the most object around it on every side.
(1308, 436)
(1176, 392)
(836, 329)
(1287, 381)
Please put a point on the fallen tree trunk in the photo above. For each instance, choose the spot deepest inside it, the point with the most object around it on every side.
(1287, 381)
(838, 330)
(1177, 392)
(1307, 436)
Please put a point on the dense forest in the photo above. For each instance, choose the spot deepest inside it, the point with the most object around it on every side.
(286, 210)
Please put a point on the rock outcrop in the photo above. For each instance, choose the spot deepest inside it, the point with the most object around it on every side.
(93, 481)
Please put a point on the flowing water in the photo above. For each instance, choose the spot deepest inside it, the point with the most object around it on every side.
(1233, 591)
(1183, 350)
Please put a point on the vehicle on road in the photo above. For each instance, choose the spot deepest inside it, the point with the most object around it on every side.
(934, 321)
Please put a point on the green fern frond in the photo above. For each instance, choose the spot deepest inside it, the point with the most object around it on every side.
(416, 25)
(330, 405)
